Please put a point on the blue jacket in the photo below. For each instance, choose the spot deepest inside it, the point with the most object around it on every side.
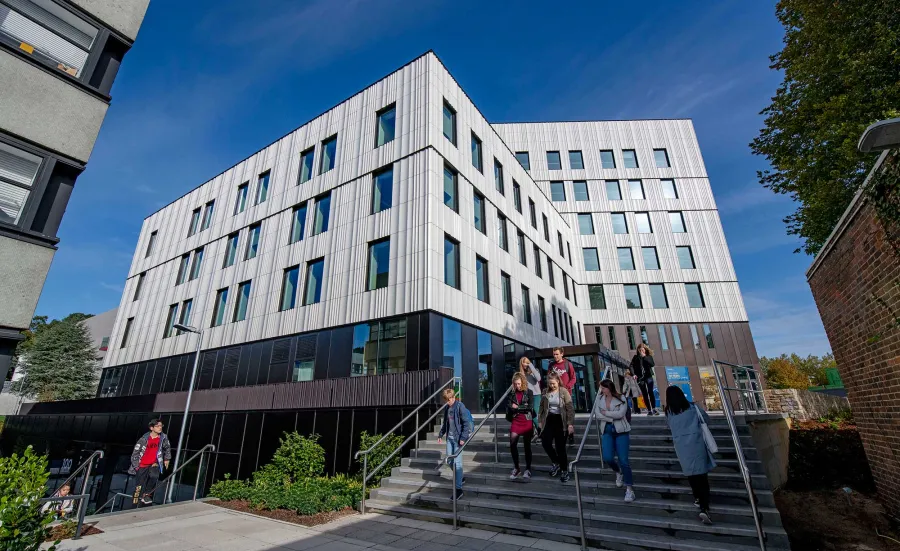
(457, 417)
(689, 444)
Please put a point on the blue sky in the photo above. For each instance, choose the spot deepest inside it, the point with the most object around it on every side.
(210, 82)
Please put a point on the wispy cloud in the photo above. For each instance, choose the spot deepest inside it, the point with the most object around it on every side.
(117, 288)
(782, 324)
(748, 197)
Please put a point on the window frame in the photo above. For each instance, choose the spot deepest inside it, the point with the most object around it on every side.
(502, 232)
(517, 196)
(640, 188)
(637, 289)
(665, 188)
(482, 284)
(506, 293)
(656, 151)
(634, 158)
(590, 220)
(555, 185)
(527, 164)
(324, 149)
(479, 211)
(585, 251)
(602, 298)
(326, 217)
(239, 301)
(521, 247)
(637, 219)
(499, 183)
(376, 175)
(613, 216)
(240, 203)
(308, 278)
(126, 332)
(629, 259)
(665, 297)
(220, 307)
(699, 294)
(308, 153)
(680, 215)
(232, 250)
(253, 229)
(652, 249)
(369, 257)
(455, 174)
(196, 264)
(580, 160)
(447, 108)
(532, 211)
(208, 212)
(151, 243)
(295, 211)
(618, 185)
(558, 160)
(575, 185)
(262, 188)
(612, 159)
(194, 225)
(457, 284)
(378, 115)
(169, 327)
(477, 149)
(526, 305)
(690, 253)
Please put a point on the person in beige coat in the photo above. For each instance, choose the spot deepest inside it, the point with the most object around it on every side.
(556, 420)
(611, 411)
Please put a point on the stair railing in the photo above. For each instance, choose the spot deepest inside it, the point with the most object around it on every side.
(573, 465)
(451, 459)
(365, 453)
(86, 466)
(729, 416)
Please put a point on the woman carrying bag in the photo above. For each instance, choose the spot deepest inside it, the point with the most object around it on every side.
(533, 377)
(642, 366)
(611, 410)
(556, 419)
(692, 439)
(519, 412)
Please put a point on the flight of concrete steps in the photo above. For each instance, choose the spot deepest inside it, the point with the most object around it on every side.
(662, 517)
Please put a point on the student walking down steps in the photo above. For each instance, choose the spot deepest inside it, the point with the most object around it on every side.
(611, 411)
(519, 412)
(556, 419)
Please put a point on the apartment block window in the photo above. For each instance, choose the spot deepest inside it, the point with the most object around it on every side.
(676, 219)
(644, 338)
(522, 157)
(636, 189)
(597, 297)
(576, 162)
(626, 258)
(449, 123)
(642, 221)
(382, 189)
(186, 308)
(242, 301)
(314, 271)
(298, 223)
(575, 293)
(480, 220)
(585, 223)
(379, 261)
(553, 160)
(559, 241)
(451, 195)
(555, 325)
(482, 282)
(569, 249)
(542, 313)
(651, 259)
(613, 192)
(526, 305)
(598, 334)
(658, 296)
(537, 261)
(520, 240)
(183, 269)
(498, 178)
(322, 213)
(607, 160)
(241, 202)
(591, 260)
(694, 295)
(619, 224)
(151, 243)
(581, 190)
(477, 154)
(550, 273)
(329, 152)
(195, 222)
(137, 287)
(195, 266)
(661, 157)
(546, 228)
(630, 158)
(289, 288)
(669, 189)
(451, 262)
(707, 332)
(207, 215)
(664, 343)
(231, 247)
(676, 338)
(262, 188)
(306, 165)
(612, 337)
(252, 241)
(685, 258)
(566, 285)
(631, 342)
(219, 307)
(502, 236)
(517, 196)
(506, 292)
(532, 211)
(695, 337)
(128, 323)
(385, 120)
(170, 321)
(633, 297)
(557, 191)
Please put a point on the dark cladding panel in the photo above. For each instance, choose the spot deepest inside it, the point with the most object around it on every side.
(274, 427)
(127, 380)
(217, 372)
(327, 427)
(230, 367)
(159, 376)
(265, 359)
(323, 343)
(305, 421)
(207, 369)
(412, 342)
(200, 430)
(243, 366)
(435, 341)
(279, 368)
(341, 352)
(253, 372)
(250, 448)
(343, 457)
(470, 367)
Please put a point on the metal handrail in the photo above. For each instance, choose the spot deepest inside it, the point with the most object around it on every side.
(743, 392)
(452, 458)
(573, 465)
(118, 494)
(84, 464)
(80, 498)
(745, 472)
(365, 453)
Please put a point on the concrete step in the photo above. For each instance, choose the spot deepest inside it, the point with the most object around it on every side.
(716, 428)
(657, 437)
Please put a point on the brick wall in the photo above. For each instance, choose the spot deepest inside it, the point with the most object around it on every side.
(802, 404)
(856, 286)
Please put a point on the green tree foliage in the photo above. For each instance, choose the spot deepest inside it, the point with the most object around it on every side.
(379, 454)
(299, 456)
(22, 482)
(796, 372)
(841, 66)
(59, 363)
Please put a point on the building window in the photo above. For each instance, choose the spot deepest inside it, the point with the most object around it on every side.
(557, 191)
(546, 228)
(636, 189)
(252, 241)
(532, 212)
(450, 188)
(506, 293)
(569, 249)
(559, 241)
(137, 287)
(526, 305)
(555, 325)
(619, 224)
(313, 291)
(195, 222)
(633, 297)
(262, 188)
(241, 202)
(322, 213)
(644, 338)
(231, 247)
(581, 190)
(517, 196)
(685, 258)
(451, 262)
(664, 343)
(128, 323)
(195, 266)
(185, 318)
(449, 123)
(480, 221)
(537, 262)
(576, 162)
(591, 260)
(612, 337)
(626, 258)
(379, 262)
(482, 280)
(379, 347)
(243, 300)
(329, 152)
(597, 297)
(382, 189)
(676, 338)
(669, 189)
(695, 337)
(631, 342)
(303, 370)
(661, 157)
(289, 288)
(552, 277)
(520, 242)
(607, 160)
(219, 307)
(477, 154)
(575, 293)
(642, 221)
(585, 224)
(306, 164)
(170, 321)
(451, 354)
(676, 219)
(207, 216)
(542, 313)
(658, 296)
(694, 295)
(553, 161)
(502, 236)
(298, 223)
(151, 243)
(384, 125)
(183, 269)
(498, 174)
(613, 192)
(522, 157)
(651, 260)
(707, 331)
(566, 285)
(630, 158)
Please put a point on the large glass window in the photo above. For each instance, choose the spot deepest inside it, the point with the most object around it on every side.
(128, 324)
(676, 219)
(451, 188)
(520, 241)
(636, 189)
(661, 157)
(694, 295)
(526, 305)
(498, 178)
(613, 191)
(676, 338)
(170, 321)
(195, 266)
(658, 295)
(262, 188)
(379, 261)
(231, 247)
(485, 371)
(591, 260)
(289, 288)
(597, 297)
(313, 291)
(452, 350)
(626, 258)
(642, 220)
(576, 162)
(669, 189)
(685, 258)
(219, 307)
(607, 160)
(477, 153)
(537, 261)
(619, 224)
(517, 196)
(329, 151)
(480, 221)
(306, 164)
(633, 297)
(651, 260)
(183, 269)
(695, 337)
(241, 202)
(553, 160)
(298, 223)
(482, 282)
(449, 123)
(304, 370)
(252, 241)
(137, 287)
(557, 191)
(382, 189)
(207, 215)
(630, 158)
(185, 319)
(379, 347)
(522, 157)
(243, 300)
(322, 213)
(506, 292)
(150, 243)
(581, 190)
(195, 222)
(502, 235)
(664, 343)
(707, 332)
(384, 125)
(451, 262)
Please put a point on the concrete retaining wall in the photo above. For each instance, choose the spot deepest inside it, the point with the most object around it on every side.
(803, 404)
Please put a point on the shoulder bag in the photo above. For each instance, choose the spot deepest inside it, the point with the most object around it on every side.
(707, 434)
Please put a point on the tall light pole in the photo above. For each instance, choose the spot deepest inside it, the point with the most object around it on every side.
(187, 403)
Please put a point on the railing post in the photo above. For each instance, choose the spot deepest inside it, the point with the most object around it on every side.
(453, 486)
(199, 472)
(81, 504)
(600, 447)
(365, 468)
(580, 511)
(496, 440)
(417, 434)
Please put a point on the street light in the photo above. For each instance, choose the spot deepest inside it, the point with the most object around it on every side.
(187, 404)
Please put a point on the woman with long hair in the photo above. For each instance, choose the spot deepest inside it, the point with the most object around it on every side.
(631, 391)
(684, 420)
(611, 411)
(533, 377)
(642, 366)
(555, 420)
(519, 411)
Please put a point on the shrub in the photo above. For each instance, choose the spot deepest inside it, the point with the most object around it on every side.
(838, 417)
(379, 454)
(299, 456)
(228, 489)
(23, 527)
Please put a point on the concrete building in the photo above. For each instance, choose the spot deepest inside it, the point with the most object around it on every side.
(101, 327)
(58, 61)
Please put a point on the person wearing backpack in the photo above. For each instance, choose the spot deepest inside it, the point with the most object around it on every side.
(519, 412)
(685, 422)
(458, 426)
(566, 373)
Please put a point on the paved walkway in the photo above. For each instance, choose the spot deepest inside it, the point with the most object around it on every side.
(200, 526)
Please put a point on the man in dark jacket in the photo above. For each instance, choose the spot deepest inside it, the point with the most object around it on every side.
(457, 427)
(149, 458)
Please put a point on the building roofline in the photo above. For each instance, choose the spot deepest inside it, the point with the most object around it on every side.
(594, 120)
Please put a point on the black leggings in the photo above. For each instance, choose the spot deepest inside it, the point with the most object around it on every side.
(554, 436)
(700, 487)
(514, 448)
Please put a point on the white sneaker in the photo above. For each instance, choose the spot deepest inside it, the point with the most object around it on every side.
(629, 495)
(620, 480)
(527, 475)
(514, 474)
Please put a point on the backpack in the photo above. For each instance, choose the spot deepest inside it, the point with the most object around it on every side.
(467, 419)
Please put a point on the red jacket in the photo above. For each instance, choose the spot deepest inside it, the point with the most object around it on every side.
(566, 373)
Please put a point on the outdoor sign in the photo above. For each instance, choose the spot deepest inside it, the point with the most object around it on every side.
(680, 377)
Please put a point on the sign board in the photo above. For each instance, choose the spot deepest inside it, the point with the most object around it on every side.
(680, 376)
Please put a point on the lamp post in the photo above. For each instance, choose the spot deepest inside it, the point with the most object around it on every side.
(187, 404)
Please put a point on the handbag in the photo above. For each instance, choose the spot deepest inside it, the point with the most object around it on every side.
(708, 438)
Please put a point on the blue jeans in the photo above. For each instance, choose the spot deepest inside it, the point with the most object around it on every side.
(537, 409)
(453, 447)
(616, 444)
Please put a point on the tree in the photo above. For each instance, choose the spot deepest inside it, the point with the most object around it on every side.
(60, 363)
(781, 373)
(841, 65)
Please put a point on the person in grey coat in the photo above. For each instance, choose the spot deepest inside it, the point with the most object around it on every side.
(683, 419)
